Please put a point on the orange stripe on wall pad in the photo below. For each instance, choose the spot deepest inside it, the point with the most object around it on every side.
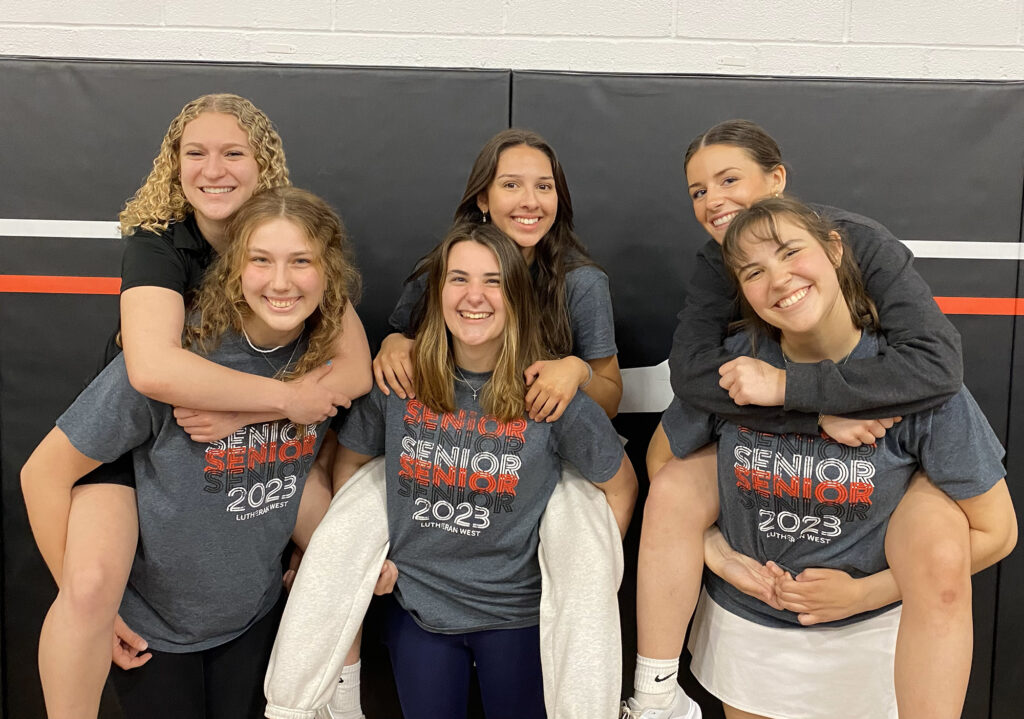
(981, 305)
(50, 284)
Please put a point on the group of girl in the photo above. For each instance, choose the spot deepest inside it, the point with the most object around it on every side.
(164, 498)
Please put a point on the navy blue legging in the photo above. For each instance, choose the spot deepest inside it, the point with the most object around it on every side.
(432, 671)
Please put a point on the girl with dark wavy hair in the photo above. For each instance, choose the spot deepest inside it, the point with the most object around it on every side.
(518, 185)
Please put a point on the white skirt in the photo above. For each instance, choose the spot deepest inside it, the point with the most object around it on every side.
(799, 673)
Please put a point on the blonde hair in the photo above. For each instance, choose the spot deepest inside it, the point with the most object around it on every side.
(161, 200)
(220, 303)
(504, 393)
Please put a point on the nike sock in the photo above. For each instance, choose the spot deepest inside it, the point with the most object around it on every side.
(345, 702)
(655, 682)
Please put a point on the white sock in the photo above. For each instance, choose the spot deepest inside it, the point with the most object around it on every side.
(344, 703)
(655, 682)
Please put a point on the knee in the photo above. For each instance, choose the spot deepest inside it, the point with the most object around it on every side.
(91, 594)
(941, 574)
(681, 498)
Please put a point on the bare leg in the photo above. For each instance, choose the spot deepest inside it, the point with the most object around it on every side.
(682, 503)
(928, 548)
(75, 642)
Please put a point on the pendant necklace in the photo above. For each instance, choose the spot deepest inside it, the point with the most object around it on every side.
(475, 390)
(264, 352)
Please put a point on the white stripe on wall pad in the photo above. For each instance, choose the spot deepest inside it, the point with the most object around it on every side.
(109, 230)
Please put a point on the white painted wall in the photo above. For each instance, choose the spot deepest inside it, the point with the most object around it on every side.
(842, 38)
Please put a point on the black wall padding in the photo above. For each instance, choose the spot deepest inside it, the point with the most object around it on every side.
(930, 160)
(391, 149)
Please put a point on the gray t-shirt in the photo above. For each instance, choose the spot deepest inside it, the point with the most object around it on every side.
(213, 518)
(807, 501)
(465, 495)
(587, 298)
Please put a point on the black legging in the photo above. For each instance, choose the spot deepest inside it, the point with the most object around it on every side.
(224, 682)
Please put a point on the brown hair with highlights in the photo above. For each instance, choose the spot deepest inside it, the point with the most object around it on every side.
(503, 395)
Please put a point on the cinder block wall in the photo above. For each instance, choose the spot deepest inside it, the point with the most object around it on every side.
(980, 39)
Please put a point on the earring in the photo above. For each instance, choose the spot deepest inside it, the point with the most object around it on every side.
(484, 218)
(777, 195)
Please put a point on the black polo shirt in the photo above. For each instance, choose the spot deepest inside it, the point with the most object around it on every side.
(175, 258)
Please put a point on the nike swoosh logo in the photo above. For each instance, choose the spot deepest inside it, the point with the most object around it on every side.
(661, 679)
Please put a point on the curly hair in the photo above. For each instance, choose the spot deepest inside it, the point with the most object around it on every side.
(433, 357)
(161, 200)
(759, 222)
(221, 304)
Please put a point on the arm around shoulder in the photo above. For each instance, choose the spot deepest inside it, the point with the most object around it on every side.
(351, 371)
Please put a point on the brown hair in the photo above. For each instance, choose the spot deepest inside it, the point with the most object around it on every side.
(220, 302)
(161, 200)
(433, 358)
(557, 253)
(760, 222)
(744, 134)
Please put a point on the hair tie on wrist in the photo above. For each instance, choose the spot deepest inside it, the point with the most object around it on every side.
(590, 375)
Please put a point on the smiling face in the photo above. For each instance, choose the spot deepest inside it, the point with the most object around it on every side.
(474, 305)
(282, 282)
(793, 285)
(521, 199)
(724, 179)
(218, 170)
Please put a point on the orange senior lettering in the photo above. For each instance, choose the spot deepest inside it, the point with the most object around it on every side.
(404, 466)
(507, 484)
(413, 411)
(860, 493)
(840, 489)
(789, 486)
(215, 460)
(421, 471)
(430, 418)
(236, 460)
(742, 477)
(290, 450)
(760, 478)
(488, 485)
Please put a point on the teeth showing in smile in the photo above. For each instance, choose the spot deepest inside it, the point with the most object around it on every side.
(475, 315)
(527, 220)
(281, 304)
(217, 190)
(724, 219)
(792, 299)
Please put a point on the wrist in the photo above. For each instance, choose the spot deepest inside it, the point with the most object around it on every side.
(587, 375)
(282, 397)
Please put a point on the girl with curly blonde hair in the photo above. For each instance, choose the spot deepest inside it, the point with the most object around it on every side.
(218, 151)
(270, 306)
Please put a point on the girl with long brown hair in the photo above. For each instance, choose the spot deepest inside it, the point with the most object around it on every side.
(804, 505)
(518, 185)
(468, 476)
